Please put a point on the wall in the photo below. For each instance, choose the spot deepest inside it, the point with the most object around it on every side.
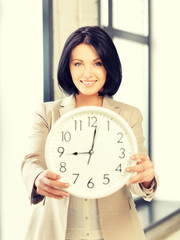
(166, 97)
(21, 90)
(67, 17)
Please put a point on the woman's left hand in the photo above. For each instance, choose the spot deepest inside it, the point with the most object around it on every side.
(144, 169)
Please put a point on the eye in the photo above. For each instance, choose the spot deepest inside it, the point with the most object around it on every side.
(78, 64)
(98, 63)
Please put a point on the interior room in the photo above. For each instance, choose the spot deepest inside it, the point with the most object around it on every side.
(146, 35)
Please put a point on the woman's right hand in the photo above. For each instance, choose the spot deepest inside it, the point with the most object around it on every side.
(47, 184)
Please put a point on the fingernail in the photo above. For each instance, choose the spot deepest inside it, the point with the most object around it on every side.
(66, 184)
(66, 194)
(128, 169)
(132, 157)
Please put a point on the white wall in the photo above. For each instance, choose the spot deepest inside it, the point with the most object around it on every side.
(166, 96)
(21, 90)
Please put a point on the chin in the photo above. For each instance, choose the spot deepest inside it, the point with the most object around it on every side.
(89, 94)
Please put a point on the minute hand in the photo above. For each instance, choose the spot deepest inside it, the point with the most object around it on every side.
(92, 147)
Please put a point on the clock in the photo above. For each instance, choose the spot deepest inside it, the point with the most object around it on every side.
(90, 147)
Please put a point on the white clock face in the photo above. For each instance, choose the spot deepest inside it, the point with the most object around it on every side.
(90, 148)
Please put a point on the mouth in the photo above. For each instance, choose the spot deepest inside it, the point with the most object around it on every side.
(88, 83)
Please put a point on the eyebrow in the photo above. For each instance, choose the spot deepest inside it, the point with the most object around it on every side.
(96, 59)
(76, 59)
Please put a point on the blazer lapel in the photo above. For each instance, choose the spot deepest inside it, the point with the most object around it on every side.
(111, 104)
(67, 105)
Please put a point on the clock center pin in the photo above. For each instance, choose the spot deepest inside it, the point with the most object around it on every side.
(91, 152)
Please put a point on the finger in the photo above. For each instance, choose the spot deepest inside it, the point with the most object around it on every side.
(136, 179)
(55, 191)
(145, 176)
(44, 182)
(55, 183)
(51, 194)
(52, 175)
(52, 179)
(50, 190)
(139, 156)
(140, 167)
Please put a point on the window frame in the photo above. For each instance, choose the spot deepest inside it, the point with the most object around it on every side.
(48, 50)
(145, 40)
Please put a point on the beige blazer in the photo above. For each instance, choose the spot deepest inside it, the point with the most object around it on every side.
(118, 216)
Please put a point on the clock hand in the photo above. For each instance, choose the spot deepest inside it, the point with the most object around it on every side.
(90, 154)
(90, 151)
(92, 147)
(76, 153)
(95, 130)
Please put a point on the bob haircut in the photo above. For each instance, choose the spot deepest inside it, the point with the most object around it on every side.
(107, 52)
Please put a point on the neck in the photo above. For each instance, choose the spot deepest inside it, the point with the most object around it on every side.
(83, 100)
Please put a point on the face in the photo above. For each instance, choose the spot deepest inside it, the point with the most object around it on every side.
(87, 70)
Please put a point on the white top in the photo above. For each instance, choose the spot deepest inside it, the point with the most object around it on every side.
(83, 220)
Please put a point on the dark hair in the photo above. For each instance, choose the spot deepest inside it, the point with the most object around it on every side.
(107, 52)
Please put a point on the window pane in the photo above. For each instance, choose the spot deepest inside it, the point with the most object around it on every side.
(131, 16)
(104, 13)
(134, 86)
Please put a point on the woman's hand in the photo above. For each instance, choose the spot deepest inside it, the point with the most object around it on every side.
(47, 183)
(144, 169)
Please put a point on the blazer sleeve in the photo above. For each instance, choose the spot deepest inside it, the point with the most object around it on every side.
(135, 122)
(34, 160)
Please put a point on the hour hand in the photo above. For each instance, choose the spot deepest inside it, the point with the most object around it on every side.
(77, 153)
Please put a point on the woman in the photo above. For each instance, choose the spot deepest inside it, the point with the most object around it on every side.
(90, 72)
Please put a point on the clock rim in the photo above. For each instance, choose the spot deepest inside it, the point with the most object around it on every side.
(70, 114)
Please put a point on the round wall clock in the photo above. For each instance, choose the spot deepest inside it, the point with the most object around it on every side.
(90, 148)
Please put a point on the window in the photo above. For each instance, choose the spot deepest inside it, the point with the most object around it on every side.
(127, 22)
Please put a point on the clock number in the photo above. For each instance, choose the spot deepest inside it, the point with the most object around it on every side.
(62, 167)
(92, 121)
(66, 136)
(122, 153)
(78, 125)
(77, 175)
(60, 150)
(90, 184)
(119, 168)
(120, 137)
(107, 180)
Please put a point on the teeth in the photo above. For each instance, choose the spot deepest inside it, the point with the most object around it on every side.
(88, 83)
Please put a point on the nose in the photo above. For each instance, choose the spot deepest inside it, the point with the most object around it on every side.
(87, 72)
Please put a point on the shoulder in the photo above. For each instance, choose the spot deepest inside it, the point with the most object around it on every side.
(51, 106)
(51, 111)
(130, 113)
(48, 107)
(55, 106)
(108, 101)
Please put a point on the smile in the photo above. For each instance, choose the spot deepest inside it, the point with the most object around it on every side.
(88, 83)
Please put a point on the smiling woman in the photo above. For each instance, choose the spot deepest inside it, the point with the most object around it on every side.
(87, 71)
(90, 70)
(91, 49)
